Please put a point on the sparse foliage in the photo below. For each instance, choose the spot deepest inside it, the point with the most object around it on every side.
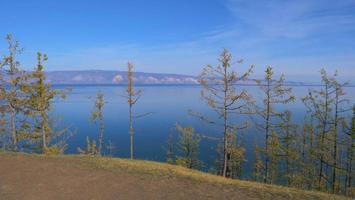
(12, 81)
(274, 93)
(187, 146)
(97, 116)
(40, 97)
(219, 91)
(132, 97)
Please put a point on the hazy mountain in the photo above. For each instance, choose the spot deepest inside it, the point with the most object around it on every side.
(86, 77)
(116, 77)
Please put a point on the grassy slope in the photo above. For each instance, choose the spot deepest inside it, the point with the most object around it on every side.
(161, 169)
(179, 174)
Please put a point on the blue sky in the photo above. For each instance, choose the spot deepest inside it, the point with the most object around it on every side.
(181, 36)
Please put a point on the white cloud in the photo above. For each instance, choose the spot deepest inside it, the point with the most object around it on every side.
(294, 19)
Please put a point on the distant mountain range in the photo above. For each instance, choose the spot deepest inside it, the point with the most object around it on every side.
(116, 77)
(101, 77)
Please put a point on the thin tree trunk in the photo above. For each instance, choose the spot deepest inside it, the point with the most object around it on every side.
(266, 172)
(350, 173)
(13, 128)
(225, 150)
(335, 142)
(44, 138)
(322, 138)
(288, 156)
(131, 132)
(348, 178)
(101, 136)
(225, 117)
(303, 162)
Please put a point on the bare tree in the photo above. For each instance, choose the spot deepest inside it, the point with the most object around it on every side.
(275, 93)
(319, 106)
(132, 98)
(339, 110)
(220, 92)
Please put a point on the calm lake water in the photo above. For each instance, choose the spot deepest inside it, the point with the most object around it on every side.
(170, 105)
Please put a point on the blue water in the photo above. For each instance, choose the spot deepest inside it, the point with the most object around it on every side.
(170, 105)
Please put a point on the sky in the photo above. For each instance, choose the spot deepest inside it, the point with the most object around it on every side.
(295, 37)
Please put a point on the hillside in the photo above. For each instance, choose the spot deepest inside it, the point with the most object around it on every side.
(37, 177)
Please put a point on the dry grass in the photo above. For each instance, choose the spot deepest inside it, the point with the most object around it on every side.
(157, 170)
(162, 169)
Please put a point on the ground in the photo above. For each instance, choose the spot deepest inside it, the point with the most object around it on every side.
(37, 177)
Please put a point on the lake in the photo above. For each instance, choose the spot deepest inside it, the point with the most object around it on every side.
(170, 105)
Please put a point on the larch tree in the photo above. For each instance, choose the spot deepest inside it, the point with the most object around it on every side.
(236, 156)
(289, 149)
(3, 110)
(41, 96)
(339, 104)
(3, 136)
(220, 92)
(97, 116)
(258, 165)
(275, 93)
(275, 152)
(307, 161)
(319, 104)
(132, 97)
(12, 81)
(188, 146)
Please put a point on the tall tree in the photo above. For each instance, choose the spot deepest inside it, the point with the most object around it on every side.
(339, 110)
(40, 101)
(132, 98)
(12, 80)
(97, 116)
(275, 93)
(319, 104)
(219, 91)
(3, 110)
